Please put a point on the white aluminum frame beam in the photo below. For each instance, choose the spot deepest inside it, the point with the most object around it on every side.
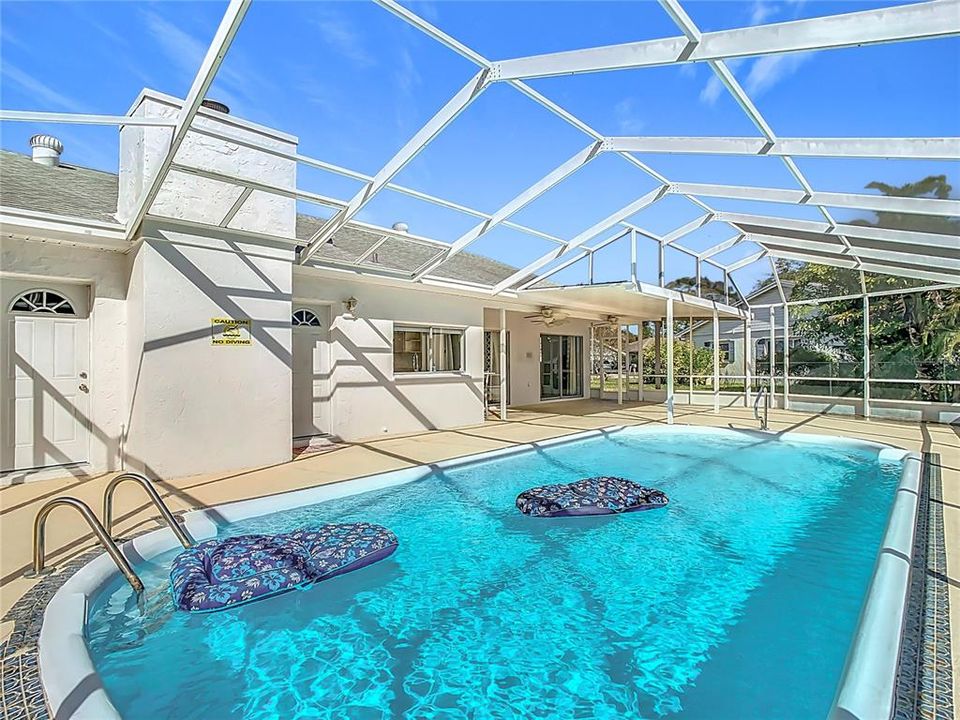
(485, 64)
(875, 203)
(584, 237)
(885, 256)
(544, 184)
(894, 24)
(721, 246)
(226, 31)
(686, 229)
(82, 118)
(840, 261)
(354, 175)
(446, 115)
(745, 261)
(255, 185)
(940, 148)
(868, 232)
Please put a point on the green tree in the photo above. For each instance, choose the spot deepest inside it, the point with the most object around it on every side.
(912, 336)
(710, 289)
(702, 361)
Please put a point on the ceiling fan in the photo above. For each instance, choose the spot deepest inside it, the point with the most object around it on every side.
(548, 316)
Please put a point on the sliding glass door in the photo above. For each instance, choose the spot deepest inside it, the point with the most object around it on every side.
(561, 366)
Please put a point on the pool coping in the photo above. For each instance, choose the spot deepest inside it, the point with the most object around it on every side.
(73, 690)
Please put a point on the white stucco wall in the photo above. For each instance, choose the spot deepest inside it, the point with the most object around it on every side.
(198, 407)
(105, 274)
(195, 406)
(525, 351)
(367, 397)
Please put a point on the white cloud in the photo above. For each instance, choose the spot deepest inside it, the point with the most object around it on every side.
(42, 94)
(711, 91)
(341, 36)
(769, 70)
(179, 46)
(760, 11)
(714, 87)
(626, 113)
(238, 84)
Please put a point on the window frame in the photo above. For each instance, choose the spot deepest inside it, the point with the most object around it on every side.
(45, 309)
(295, 323)
(430, 364)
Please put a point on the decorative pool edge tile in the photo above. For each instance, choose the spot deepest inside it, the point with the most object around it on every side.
(925, 683)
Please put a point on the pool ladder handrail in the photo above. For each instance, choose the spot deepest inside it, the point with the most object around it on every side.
(762, 395)
(39, 539)
(155, 498)
(103, 530)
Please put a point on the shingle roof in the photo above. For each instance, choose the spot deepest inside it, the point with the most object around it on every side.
(92, 195)
(350, 243)
(65, 190)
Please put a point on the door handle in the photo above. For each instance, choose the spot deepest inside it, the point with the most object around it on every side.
(84, 388)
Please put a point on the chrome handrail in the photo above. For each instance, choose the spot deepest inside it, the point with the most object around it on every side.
(762, 395)
(154, 497)
(39, 539)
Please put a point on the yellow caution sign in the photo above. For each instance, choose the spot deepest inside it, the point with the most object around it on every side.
(230, 331)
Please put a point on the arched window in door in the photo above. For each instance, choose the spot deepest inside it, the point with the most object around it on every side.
(42, 301)
(305, 318)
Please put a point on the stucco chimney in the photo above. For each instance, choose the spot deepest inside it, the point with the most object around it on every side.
(46, 150)
(186, 196)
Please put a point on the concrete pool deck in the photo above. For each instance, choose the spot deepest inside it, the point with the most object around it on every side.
(68, 537)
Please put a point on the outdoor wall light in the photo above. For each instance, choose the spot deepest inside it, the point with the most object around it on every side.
(351, 304)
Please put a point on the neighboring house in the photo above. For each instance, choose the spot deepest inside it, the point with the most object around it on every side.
(732, 331)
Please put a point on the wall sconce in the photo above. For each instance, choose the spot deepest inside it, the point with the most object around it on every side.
(351, 304)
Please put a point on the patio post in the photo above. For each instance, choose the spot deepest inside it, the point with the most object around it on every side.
(866, 356)
(633, 256)
(503, 364)
(786, 357)
(593, 363)
(690, 360)
(771, 355)
(602, 347)
(640, 361)
(657, 365)
(748, 351)
(619, 364)
(669, 361)
(716, 361)
(590, 269)
(660, 263)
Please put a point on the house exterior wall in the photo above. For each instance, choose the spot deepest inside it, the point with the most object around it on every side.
(525, 352)
(104, 276)
(367, 397)
(194, 406)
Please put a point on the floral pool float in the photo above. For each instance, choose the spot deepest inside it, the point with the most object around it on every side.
(590, 496)
(222, 573)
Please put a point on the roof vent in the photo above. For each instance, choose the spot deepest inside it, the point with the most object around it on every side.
(401, 227)
(215, 105)
(46, 150)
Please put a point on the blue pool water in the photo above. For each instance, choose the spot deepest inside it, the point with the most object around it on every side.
(738, 600)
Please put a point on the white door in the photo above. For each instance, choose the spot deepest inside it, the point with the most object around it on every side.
(46, 400)
(311, 372)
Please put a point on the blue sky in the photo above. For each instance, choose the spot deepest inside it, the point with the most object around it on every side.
(354, 83)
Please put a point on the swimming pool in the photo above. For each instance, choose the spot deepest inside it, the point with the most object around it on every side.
(739, 599)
